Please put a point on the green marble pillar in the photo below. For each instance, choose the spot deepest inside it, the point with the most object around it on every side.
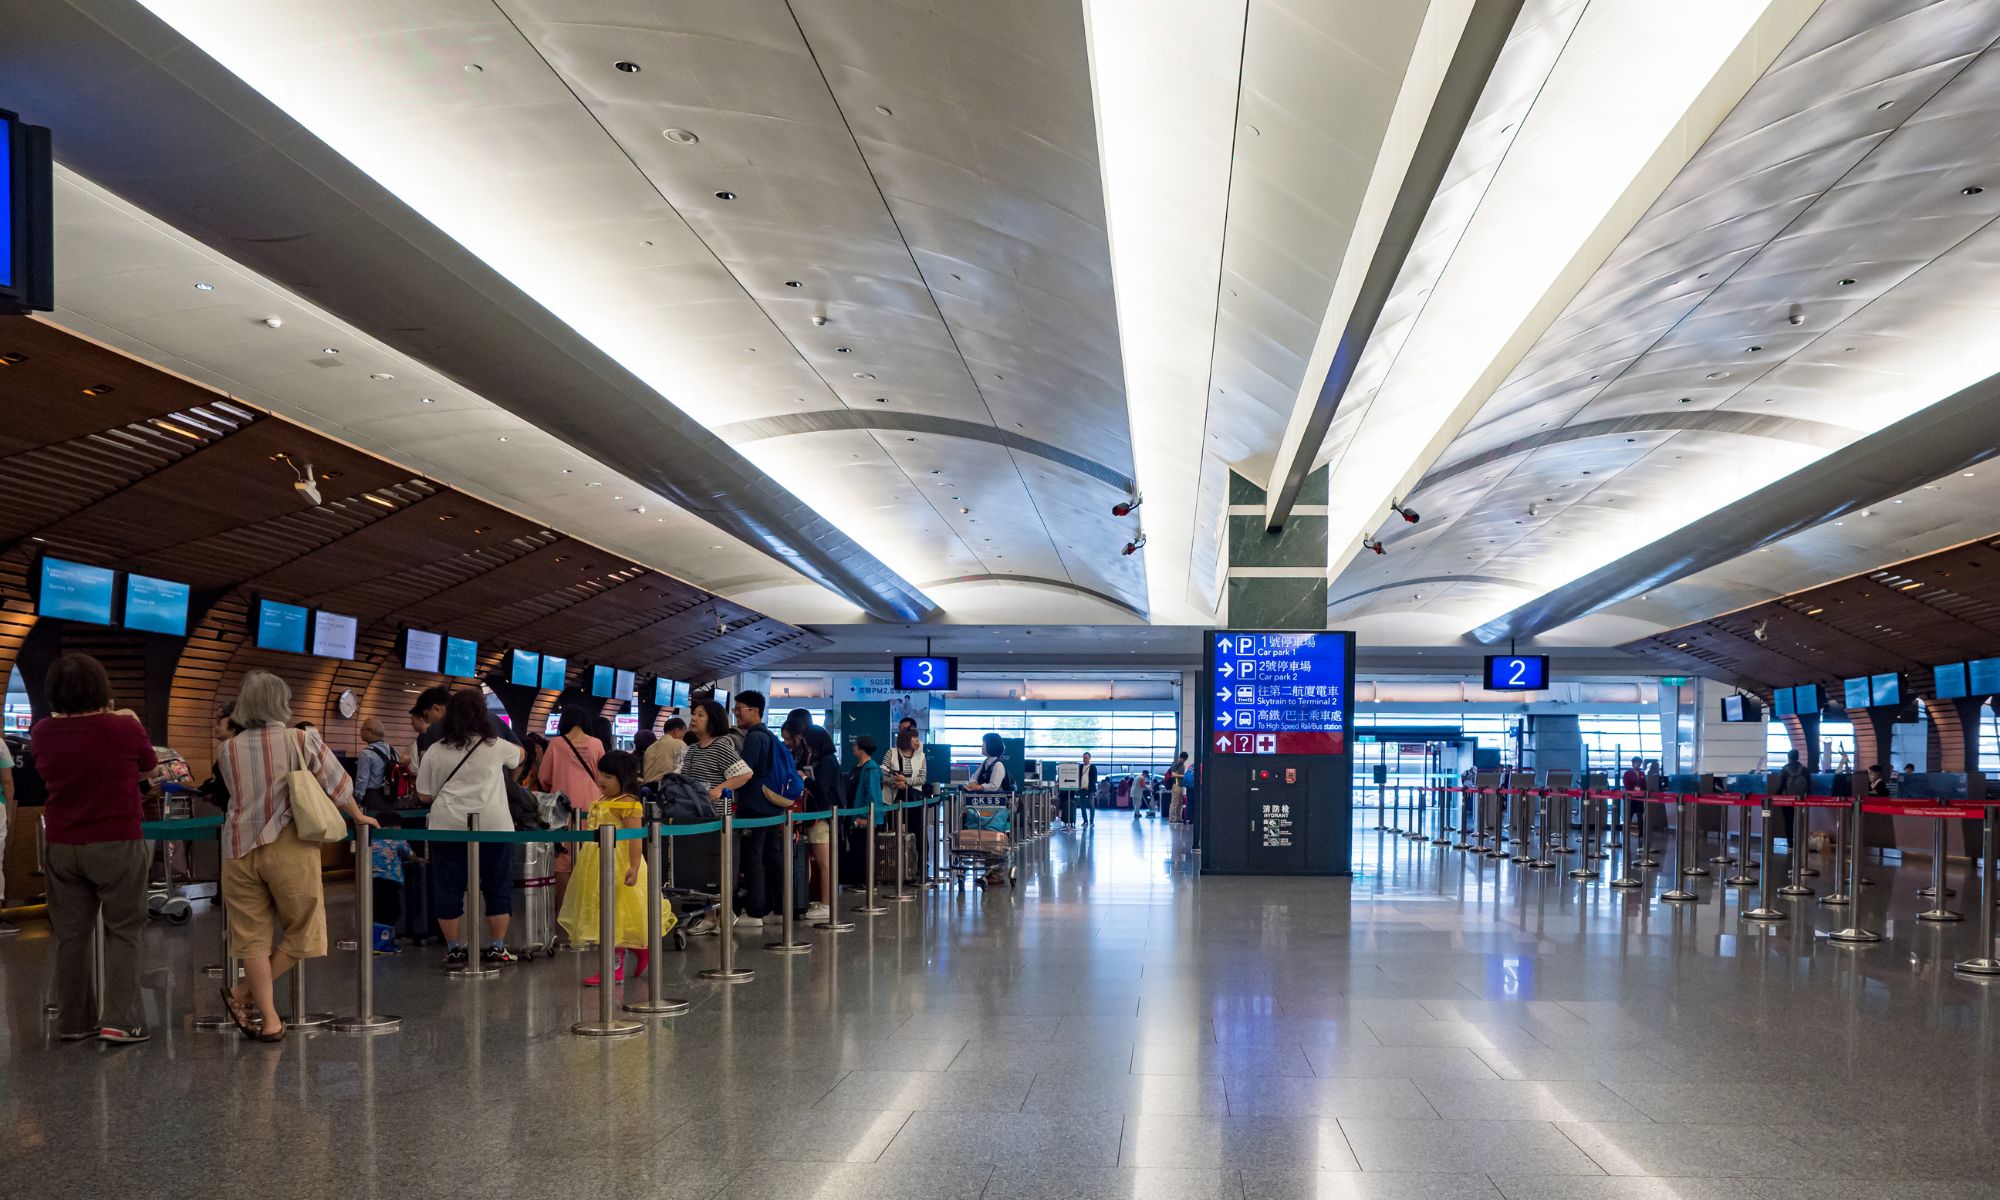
(1277, 580)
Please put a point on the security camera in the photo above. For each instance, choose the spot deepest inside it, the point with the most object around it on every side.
(818, 320)
(1135, 545)
(308, 489)
(1369, 543)
(1763, 630)
(1408, 514)
(274, 322)
(1125, 508)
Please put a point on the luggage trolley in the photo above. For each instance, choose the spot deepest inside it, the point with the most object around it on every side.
(984, 845)
(165, 898)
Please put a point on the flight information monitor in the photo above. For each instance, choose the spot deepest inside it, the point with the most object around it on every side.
(1517, 672)
(461, 657)
(555, 672)
(1806, 700)
(524, 667)
(602, 680)
(1854, 692)
(1784, 703)
(663, 693)
(1280, 693)
(1741, 709)
(156, 605)
(75, 592)
(1948, 681)
(1982, 676)
(281, 627)
(1885, 691)
(926, 674)
(333, 634)
(422, 651)
(626, 686)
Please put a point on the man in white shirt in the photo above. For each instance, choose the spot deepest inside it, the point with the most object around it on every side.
(664, 756)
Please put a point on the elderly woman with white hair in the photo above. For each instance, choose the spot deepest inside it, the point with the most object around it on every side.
(270, 877)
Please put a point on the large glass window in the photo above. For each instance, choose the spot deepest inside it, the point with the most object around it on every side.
(1835, 738)
(1122, 740)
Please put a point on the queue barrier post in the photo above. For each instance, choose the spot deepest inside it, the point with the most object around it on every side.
(472, 925)
(873, 905)
(365, 1019)
(1679, 894)
(1629, 878)
(1646, 859)
(1837, 897)
(1984, 964)
(1687, 841)
(1795, 852)
(657, 1003)
(302, 1016)
(97, 968)
(1583, 869)
(1853, 933)
(608, 1023)
(903, 894)
(788, 942)
(833, 923)
(1521, 826)
(1938, 913)
(1764, 910)
(1745, 865)
(725, 969)
(1541, 860)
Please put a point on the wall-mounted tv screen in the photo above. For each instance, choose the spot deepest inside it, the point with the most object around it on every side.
(602, 680)
(27, 218)
(1741, 709)
(625, 686)
(422, 651)
(926, 674)
(555, 672)
(1784, 703)
(1885, 690)
(1948, 681)
(1807, 700)
(1854, 692)
(156, 605)
(75, 592)
(461, 657)
(333, 634)
(281, 627)
(524, 667)
(1517, 672)
(1982, 676)
(663, 693)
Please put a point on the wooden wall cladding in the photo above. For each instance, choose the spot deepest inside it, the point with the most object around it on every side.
(159, 475)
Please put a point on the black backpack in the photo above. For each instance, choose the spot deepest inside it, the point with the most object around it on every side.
(675, 797)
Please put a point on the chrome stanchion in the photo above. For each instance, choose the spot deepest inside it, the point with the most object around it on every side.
(788, 942)
(1595, 835)
(1796, 853)
(833, 923)
(302, 1016)
(1583, 869)
(872, 905)
(1854, 934)
(1466, 820)
(1764, 911)
(1499, 816)
(1938, 914)
(1441, 831)
(1522, 827)
(1646, 859)
(97, 967)
(1628, 878)
(1542, 861)
(1687, 842)
(365, 1018)
(1837, 898)
(725, 969)
(608, 1022)
(1744, 866)
(903, 895)
(1679, 894)
(1985, 963)
(657, 1003)
(474, 924)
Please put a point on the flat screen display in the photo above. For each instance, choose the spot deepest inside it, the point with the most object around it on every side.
(1948, 681)
(524, 667)
(1784, 703)
(625, 686)
(1740, 709)
(27, 269)
(926, 674)
(663, 693)
(1886, 691)
(1854, 692)
(1732, 708)
(461, 657)
(1806, 699)
(1982, 676)
(75, 592)
(333, 634)
(602, 680)
(1280, 693)
(422, 651)
(281, 627)
(555, 672)
(156, 605)
(1517, 672)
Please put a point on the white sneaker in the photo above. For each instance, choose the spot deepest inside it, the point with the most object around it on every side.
(817, 912)
(703, 927)
(746, 921)
(774, 918)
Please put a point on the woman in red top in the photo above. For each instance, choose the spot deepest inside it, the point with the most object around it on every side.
(93, 760)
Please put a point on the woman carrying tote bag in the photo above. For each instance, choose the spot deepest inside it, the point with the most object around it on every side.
(270, 873)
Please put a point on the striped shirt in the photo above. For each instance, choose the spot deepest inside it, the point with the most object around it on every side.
(707, 766)
(254, 764)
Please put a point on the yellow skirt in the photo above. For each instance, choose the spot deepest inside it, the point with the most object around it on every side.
(581, 916)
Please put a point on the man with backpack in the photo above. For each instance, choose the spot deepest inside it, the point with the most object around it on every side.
(380, 778)
(775, 786)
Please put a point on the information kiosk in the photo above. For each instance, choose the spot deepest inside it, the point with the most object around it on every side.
(1275, 766)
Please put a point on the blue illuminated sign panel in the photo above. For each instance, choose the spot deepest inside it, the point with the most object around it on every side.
(926, 674)
(1280, 693)
(1517, 672)
(461, 657)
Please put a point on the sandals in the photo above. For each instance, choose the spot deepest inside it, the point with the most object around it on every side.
(238, 1013)
(278, 1036)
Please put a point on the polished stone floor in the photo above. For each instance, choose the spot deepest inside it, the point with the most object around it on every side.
(1437, 1027)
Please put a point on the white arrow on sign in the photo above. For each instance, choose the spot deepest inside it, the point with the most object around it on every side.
(1225, 670)
(1222, 719)
(1222, 693)
(1222, 742)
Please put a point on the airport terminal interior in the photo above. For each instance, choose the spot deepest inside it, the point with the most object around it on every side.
(1000, 599)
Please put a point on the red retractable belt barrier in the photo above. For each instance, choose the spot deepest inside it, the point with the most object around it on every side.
(1959, 809)
(1810, 802)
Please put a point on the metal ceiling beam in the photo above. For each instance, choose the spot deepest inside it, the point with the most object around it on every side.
(141, 111)
(1479, 47)
(1954, 434)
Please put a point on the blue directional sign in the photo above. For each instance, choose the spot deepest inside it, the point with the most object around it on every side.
(1280, 693)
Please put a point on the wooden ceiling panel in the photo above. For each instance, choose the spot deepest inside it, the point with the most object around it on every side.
(41, 398)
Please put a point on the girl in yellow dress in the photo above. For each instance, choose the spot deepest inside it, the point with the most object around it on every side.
(618, 785)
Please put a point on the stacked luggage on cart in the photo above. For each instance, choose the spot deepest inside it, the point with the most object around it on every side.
(983, 848)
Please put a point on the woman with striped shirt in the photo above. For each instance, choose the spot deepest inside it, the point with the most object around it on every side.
(714, 763)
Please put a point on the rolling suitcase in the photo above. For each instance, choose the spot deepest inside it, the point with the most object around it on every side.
(533, 928)
(418, 926)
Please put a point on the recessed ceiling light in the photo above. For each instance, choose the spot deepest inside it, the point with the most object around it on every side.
(1847, 283)
(98, 389)
(430, 400)
(794, 283)
(1970, 191)
(473, 68)
(329, 350)
(568, 471)
(381, 375)
(630, 68)
(1897, 500)
(1718, 374)
(204, 287)
(1930, 487)
(1840, 522)
(843, 349)
(503, 437)
(715, 547)
(593, 483)
(1755, 349)
(1687, 399)
(725, 195)
(1968, 474)
(884, 110)
(863, 375)
(909, 439)
(881, 399)
(617, 497)
(1885, 104)
(680, 137)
